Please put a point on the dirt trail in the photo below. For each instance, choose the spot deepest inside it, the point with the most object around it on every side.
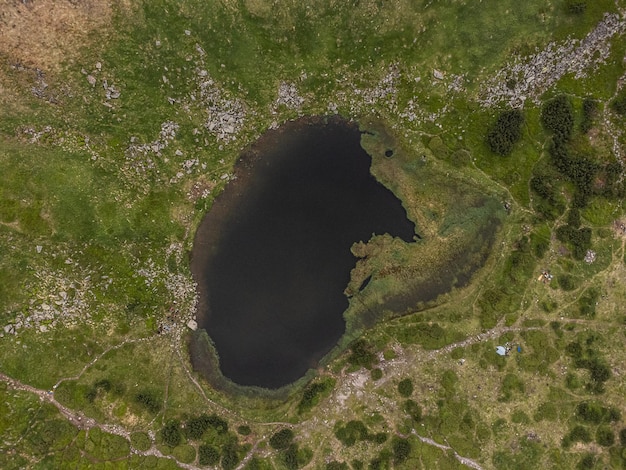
(347, 385)
(464, 460)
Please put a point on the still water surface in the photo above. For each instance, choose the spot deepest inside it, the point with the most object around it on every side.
(272, 257)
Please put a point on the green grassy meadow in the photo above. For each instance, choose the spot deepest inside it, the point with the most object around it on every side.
(116, 137)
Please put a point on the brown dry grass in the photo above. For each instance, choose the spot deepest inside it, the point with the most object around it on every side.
(47, 33)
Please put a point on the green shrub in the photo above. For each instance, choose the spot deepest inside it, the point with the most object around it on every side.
(593, 412)
(362, 354)
(578, 240)
(506, 131)
(605, 436)
(557, 117)
(244, 430)
(334, 465)
(185, 453)
(587, 302)
(519, 417)
(566, 282)
(196, 427)
(577, 434)
(140, 441)
(282, 439)
(413, 410)
(546, 411)
(576, 7)
(405, 387)
(217, 423)
(208, 455)
(587, 462)
(314, 392)
(294, 458)
(511, 383)
(590, 109)
(401, 449)
(376, 374)
(352, 432)
(572, 381)
(171, 433)
(230, 455)
(148, 399)
(619, 104)
(449, 381)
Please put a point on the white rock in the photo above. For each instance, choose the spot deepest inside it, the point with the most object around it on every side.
(192, 325)
(92, 80)
(438, 74)
(39, 248)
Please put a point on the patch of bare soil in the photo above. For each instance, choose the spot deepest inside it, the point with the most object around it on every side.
(45, 33)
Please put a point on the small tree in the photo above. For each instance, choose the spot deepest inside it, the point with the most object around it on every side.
(605, 436)
(557, 116)
(619, 104)
(196, 427)
(506, 131)
(576, 7)
(405, 388)
(208, 455)
(171, 433)
(281, 439)
(401, 450)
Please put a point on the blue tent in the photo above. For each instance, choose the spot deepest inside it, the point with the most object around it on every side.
(501, 350)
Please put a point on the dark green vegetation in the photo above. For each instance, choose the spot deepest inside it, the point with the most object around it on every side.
(506, 131)
(100, 197)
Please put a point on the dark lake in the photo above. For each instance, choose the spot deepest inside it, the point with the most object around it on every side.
(272, 257)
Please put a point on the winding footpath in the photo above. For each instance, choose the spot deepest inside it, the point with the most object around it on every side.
(83, 422)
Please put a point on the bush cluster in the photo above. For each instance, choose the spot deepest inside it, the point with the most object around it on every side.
(282, 439)
(355, 431)
(590, 109)
(401, 449)
(149, 401)
(208, 455)
(577, 434)
(577, 239)
(196, 427)
(593, 412)
(362, 354)
(588, 358)
(576, 7)
(405, 387)
(619, 104)
(171, 434)
(313, 392)
(506, 131)
(557, 117)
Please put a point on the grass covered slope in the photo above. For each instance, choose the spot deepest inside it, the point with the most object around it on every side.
(120, 126)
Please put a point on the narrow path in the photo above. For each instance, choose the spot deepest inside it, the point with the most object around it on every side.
(100, 356)
(85, 423)
(343, 382)
(464, 460)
